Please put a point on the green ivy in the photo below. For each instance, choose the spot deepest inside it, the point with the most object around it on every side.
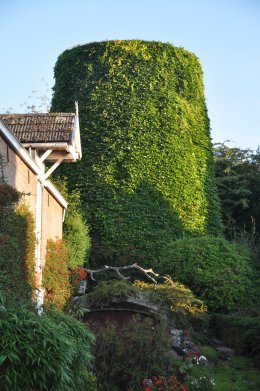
(147, 173)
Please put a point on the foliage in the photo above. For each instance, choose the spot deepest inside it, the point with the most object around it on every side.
(170, 295)
(105, 290)
(89, 381)
(238, 182)
(147, 171)
(27, 241)
(137, 349)
(78, 278)
(8, 195)
(210, 353)
(75, 229)
(202, 383)
(162, 383)
(42, 352)
(218, 271)
(17, 247)
(76, 239)
(173, 295)
(226, 376)
(229, 379)
(56, 275)
(241, 329)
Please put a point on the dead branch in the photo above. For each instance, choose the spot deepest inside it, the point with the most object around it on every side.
(117, 269)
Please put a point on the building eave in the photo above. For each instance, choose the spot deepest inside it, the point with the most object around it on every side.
(16, 145)
(24, 155)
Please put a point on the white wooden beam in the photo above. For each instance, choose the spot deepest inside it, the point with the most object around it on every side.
(45, 155)
(53, 167)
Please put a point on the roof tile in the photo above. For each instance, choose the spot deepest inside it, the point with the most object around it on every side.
(40, 128)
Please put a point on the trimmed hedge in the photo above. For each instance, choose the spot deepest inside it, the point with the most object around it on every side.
(219, 272)
(147, 173)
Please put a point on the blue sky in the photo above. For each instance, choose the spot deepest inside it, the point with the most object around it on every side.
(224, 34)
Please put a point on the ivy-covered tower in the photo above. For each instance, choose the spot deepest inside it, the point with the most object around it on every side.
(147, 174)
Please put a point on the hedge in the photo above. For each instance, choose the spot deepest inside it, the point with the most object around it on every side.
(219, 272)
(147, 173)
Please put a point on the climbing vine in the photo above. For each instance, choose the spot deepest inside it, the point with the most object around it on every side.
(147, 173)
(17, 247)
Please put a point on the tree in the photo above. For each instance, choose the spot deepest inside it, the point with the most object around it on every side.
(238, 182)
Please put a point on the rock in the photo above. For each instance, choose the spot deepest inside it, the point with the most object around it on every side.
(224, 352)
(217, 342)
(176, 345)
(176, 332)
(181, 343)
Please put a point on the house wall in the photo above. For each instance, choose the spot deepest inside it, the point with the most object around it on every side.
(19, 175)
(52, 216)
(23, 179)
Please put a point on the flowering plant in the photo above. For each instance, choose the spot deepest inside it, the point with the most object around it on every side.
(196, 358)
(205, 383)
(161, 383)
(78, 275)
(191, 359)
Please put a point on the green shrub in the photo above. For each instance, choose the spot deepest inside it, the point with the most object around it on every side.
(125, 356)
(56, 279)
(210, 353)
(8, 195)
(216, 270)
(47, 352)
(75, 229)
(170, 296)
(89, 381)
(173, 296)
(105, 290)
(17, 247)
(76, 240)
(147, 172)
(241, 330)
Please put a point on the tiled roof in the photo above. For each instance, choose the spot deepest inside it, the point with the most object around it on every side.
(40, 128)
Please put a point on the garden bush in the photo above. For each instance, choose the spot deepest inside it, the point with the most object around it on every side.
(56, 278)
(217, 271)
(173, 296)
(75, 229)
(17, 247)
(76, 240)
(170, 296)
(45, 353)
(125, 356)
(147, 172)
(241, 329)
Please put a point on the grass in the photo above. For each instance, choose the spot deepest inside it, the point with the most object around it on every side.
(231, 379)
(237, 374)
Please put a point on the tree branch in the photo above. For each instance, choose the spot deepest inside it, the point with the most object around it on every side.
(118, 268)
